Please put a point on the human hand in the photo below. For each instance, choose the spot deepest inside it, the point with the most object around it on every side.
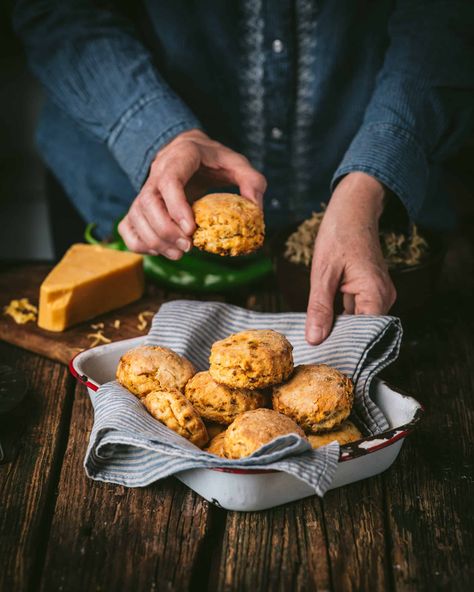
(347, 256)
(160, 219)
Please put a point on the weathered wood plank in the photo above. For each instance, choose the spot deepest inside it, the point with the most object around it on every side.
(280, 549)
(109, 537)
(430, 490)
(33, 438)
(354, 519)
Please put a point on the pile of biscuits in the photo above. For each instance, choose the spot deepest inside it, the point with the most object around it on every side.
(251, 394)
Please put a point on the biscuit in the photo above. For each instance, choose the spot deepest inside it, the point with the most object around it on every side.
(344, 433)
(251, 430)
(148, 368)
(176, 412)
(219, 403)
(251, 359)
(216, 445)
(228, 224)
(317, 397)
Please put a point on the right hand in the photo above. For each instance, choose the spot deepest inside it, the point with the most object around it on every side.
(160, 220)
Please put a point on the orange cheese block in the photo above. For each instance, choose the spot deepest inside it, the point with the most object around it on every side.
(88, 281)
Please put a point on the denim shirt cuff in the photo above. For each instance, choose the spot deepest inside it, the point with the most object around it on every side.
(394, 157)
(149, 124)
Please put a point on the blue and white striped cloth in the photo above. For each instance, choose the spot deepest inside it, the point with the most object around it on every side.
(129, 447)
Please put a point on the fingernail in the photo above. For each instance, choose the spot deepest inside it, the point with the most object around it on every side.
(186, 226)
(152, 252)
(183, 244)
(315, 334)
(173, 254)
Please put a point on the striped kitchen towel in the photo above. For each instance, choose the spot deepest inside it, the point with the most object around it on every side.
(129, 447)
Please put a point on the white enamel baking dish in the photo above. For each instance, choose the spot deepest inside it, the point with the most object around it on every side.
(249, 490)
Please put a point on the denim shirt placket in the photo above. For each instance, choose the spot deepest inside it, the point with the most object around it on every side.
(279, 103)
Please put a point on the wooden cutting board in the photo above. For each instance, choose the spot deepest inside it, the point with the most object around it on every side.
(23, 281)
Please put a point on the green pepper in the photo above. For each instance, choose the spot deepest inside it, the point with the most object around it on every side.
(195, 271)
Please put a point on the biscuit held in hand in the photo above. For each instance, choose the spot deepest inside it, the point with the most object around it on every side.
(228, 224)
(345, 433)
(149, 367)
(317, 397)
(176, 412)
(251, 359)
(219, 403)
(251, 430)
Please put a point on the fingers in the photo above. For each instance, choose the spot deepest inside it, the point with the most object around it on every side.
(251, 185)
(377, 302)
(240, 172)
(348, 301)
(324, 283)
(148, 228)
(177, 205)
(135, 243)
(169, 175)
(375, 296)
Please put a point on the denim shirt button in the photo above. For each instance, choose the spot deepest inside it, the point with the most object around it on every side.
(275, 203)
(277, 46)
(276, 133)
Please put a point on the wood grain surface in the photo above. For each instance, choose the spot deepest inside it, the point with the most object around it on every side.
(24, 282)
(410, 529)
(33, 438)
(118, 538)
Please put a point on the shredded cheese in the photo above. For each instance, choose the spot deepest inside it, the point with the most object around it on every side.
(21, 311)
(116, 324)
(98, 337)
(97, 326)
(142, 322)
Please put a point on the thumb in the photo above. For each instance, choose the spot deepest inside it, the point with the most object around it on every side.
(320, 315)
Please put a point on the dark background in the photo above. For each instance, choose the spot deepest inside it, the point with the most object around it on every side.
(36, 221)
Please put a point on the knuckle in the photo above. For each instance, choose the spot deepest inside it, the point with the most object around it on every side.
(259, 179)
(319, 308)
(132, 242)
(167, 179)
(147, 199)
(122, 227)
(242, 160)
(167, 231)
(262, 182)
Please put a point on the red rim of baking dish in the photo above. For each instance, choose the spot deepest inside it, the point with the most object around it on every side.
(348, 451)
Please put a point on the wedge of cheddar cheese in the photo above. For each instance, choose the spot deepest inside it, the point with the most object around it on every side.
(88, 281)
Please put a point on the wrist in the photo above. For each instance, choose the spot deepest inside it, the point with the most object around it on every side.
(362, 194)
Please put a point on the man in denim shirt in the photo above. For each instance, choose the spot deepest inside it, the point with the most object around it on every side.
(153, 102)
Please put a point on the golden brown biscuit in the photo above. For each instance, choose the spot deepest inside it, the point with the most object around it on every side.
(251, 359)
(216, 445)
(176, 412)
(317, 397)
(251, 430)
(219, 403)
(228, 224)
(345, 433)
(148, 368)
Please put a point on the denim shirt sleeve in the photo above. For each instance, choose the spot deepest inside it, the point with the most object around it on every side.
(422, 107)
(96, 69)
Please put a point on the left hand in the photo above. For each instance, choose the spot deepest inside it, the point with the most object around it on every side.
(348, 257)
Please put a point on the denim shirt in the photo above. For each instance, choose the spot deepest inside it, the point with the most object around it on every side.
(308, 90)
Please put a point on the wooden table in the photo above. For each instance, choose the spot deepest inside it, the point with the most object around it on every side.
(408, 529)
